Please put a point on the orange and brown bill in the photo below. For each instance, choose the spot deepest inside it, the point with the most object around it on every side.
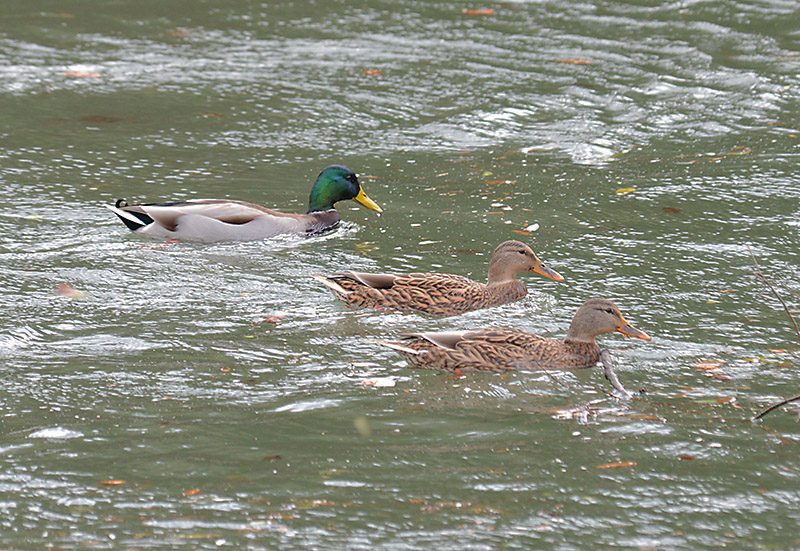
(543, 270)
(630, 331)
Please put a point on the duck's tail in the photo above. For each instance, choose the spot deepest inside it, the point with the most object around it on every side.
(134, 219)
(331, 284)
(400, 348)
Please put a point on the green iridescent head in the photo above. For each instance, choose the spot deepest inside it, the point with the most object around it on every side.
(338, 183)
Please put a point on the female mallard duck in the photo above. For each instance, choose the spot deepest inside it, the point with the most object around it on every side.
(225, 220)
(442, 294)
(496, 349)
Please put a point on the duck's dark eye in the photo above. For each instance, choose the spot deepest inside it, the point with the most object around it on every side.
(609, 311)
(521, 251)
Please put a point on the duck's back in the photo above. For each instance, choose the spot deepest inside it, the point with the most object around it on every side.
(497, 349)
(431, 293)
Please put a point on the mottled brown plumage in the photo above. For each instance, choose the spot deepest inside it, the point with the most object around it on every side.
(442, 294)
(499, 349)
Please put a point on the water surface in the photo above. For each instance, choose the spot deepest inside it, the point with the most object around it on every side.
(214, 396)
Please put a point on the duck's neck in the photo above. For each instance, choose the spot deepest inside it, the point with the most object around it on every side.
(577, 335)
(324, 194)
(498, 273)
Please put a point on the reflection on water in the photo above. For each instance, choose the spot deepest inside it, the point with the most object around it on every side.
(215, 396)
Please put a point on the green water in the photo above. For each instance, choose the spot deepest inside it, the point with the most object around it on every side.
(226, 388)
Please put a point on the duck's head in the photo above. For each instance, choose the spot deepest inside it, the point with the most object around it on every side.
(598, 316)
(338, 183)
(514, 257)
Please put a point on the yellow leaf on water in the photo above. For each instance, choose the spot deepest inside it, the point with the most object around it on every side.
(624, 190)
(617, 465)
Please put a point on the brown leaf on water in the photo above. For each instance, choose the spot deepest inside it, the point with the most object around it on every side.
(617, 465)
(686, 457)
(82, 74)
(273, 319)
(103, 119)
(192, 492)
(372, 72)
(646, 416)
(522, 232)
(112, 482)
(776, 350)
(485, 11)
(718, 377)
(671, 210)
(574, 61)
(726, 400)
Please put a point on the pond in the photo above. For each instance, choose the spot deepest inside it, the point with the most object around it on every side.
(164, 395)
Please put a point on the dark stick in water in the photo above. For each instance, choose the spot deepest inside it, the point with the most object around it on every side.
(760, 276)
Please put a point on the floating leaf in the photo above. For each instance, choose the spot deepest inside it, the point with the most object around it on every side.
(686, 457)
(776, 350)
(624, 190)
(192, 492)
(67, 290)
(273, 319)
(112, 482)
(102, 119)
(362, 426)
(671, 210)
(82, 74)
(380, 382)
(617, 465)
(523, 232)
(706, 366)
(372, 72)
(485, 11)
(574, 61)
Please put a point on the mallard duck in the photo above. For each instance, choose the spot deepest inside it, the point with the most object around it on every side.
(226, 220)
(499, 349)
(442, 294)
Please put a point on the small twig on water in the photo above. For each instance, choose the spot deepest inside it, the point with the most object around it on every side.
(776, 406)
(760, 276)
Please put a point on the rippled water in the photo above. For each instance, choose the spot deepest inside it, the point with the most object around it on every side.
(214, 396)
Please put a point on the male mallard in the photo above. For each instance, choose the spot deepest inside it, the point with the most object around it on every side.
(442, 294)
(225, 220)
(498, 349)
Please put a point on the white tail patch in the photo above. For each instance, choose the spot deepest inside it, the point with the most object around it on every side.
(125, 214)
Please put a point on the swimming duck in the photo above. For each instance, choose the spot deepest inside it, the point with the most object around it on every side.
(499, 349)
(442, 294)
(227, 220)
